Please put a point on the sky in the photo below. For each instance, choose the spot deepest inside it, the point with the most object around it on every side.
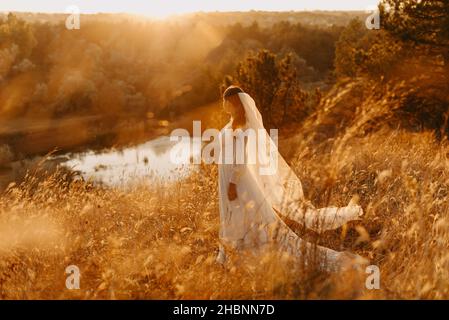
(164, 8)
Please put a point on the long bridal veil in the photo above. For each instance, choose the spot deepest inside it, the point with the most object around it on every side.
(267, 189)
(283, 188)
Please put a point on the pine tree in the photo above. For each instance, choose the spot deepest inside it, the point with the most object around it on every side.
(273, 83)
(424, 22)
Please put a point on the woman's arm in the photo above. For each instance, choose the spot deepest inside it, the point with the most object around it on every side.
(237, 171)
(232, 191)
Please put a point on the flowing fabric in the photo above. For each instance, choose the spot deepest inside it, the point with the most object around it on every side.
(267, 188)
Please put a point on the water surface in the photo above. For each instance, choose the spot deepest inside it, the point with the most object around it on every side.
(149, 161)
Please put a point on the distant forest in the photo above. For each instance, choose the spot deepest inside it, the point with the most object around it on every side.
(121, 78)
(119, 65)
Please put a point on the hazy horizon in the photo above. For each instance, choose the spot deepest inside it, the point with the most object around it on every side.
(176, 7)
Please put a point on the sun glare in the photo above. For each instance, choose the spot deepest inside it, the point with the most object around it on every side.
(166, 8)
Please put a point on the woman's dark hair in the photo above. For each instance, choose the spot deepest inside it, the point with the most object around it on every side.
(232, 90)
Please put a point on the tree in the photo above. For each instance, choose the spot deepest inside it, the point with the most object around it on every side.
(424, 22)
(16, 31)
(347, 47)
(273, 83)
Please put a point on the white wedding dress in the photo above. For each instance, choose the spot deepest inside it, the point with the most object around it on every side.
(252, 221)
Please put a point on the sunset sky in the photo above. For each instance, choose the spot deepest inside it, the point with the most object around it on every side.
(163, 8)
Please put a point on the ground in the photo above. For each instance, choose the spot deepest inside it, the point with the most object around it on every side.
(155, 241)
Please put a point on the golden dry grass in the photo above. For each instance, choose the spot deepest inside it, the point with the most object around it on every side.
(160, 241)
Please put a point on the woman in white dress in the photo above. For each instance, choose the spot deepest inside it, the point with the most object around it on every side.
(252, 195)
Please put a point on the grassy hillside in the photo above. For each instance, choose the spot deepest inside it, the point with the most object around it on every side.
(160, 241)
(365, 120)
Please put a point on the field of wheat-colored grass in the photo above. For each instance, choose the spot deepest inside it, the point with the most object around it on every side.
(160, 241)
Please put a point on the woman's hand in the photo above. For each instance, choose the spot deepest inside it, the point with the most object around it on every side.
(232, 191)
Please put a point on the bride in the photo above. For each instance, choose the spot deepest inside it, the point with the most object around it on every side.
(253, 200)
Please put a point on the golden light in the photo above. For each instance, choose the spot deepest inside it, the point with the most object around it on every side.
(165, 8)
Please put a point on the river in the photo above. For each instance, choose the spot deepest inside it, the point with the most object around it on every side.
(148, 162)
